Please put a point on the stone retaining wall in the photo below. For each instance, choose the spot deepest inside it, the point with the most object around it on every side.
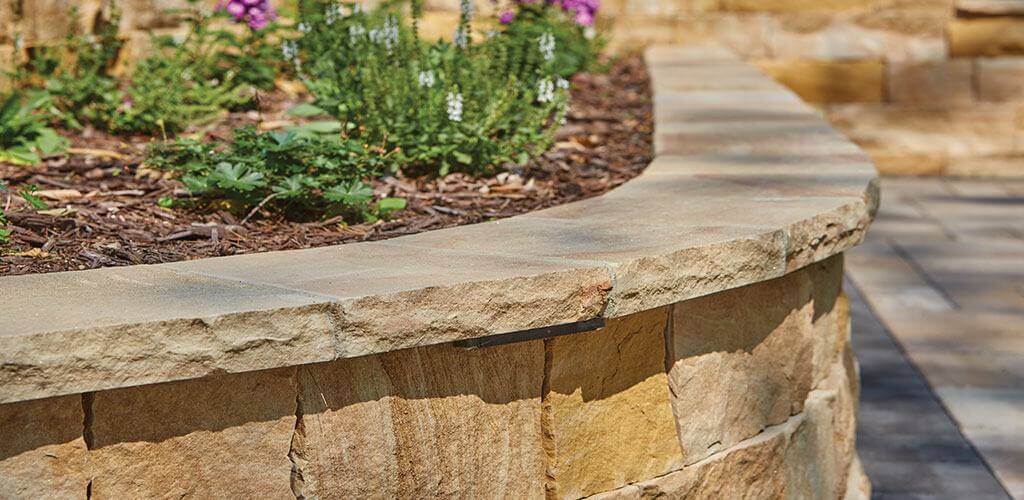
(925, 86)
(722, 369)
(744, 393)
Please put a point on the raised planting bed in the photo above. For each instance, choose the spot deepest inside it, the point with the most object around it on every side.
(684, 335)
(108, 210)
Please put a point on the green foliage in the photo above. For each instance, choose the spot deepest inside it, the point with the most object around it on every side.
(184, 82)
(27, 193)
(577, 47)
(5, 233)
(24, 134)
(465, 106)
(300, 172)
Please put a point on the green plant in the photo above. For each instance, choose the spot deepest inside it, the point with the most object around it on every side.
(465, 106)
(184, 82)
(225, 52)
(300, 172)
(578, 46)
(26, 193)
(24, 134)
(5, 233)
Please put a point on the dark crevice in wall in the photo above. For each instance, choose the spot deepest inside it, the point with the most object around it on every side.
(87, 435)
(88, 490)
(297, 449)
(547, 432)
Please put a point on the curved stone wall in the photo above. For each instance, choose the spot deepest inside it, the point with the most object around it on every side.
(684, 336)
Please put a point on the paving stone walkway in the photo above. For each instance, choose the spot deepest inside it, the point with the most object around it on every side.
(938, 291)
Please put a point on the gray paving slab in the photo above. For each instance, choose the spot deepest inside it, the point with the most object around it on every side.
(909, 445)
(945, 276)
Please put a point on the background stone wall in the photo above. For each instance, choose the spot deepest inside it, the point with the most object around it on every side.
(925, 86)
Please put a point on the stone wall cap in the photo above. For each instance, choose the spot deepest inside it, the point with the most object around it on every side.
(764, 188)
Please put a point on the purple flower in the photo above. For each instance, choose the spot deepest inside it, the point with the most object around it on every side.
(583, 11)
(255, 13)
(506, 17)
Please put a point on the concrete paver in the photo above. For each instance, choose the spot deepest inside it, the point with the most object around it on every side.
(945, 276)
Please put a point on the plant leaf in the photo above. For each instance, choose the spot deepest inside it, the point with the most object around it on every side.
(306, 110)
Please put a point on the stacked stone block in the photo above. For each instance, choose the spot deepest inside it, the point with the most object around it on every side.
(749, 392)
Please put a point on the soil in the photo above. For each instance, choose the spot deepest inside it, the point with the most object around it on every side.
(105, 208)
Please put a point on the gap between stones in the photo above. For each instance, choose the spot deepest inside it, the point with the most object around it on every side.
(296, 451)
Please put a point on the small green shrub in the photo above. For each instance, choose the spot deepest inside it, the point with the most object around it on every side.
(184, 82)
(465, 106)
(578, 45)
(304, 172)
(24, 134)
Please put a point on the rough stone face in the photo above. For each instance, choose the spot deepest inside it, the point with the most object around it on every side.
(988, 129)
(829, 81)
(1000, 79)
(808, 455)
(987, 166)
(792, 5)
(427, 422)
(42, 451)
(220, 436)
(931, 83)
(893, 35)
(745, 359)
(608, 412)
(991, 36)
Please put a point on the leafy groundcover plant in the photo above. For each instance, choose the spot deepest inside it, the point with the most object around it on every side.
(184, 82)
(303, 172)
(24, 134)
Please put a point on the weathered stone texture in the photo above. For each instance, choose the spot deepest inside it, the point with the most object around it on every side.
(1000, 79)
(221, 437)
(42, 450)
(829, 81)
(746, 358)
(933, 83)
(427, 422)
(609, 416)
(986, 36)
(793, 5)
(808, 455)
(954, 132)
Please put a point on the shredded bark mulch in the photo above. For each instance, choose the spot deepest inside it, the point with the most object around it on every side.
(105, 208)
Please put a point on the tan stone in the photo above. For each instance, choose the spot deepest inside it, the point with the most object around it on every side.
(829, 81)
(220, 436)
(426, 422)
(990, 7)
(45, 20)
(1000, 79)
(889, 35)
(933, 83)
(908, 164)
(42, 450)
(953, 132)
(437, 25)
(809, 455)
(987, 166)
(608, 409)
(746, 358)
(792, 5)
(993, 36)
(637, 30)
(819, 459)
